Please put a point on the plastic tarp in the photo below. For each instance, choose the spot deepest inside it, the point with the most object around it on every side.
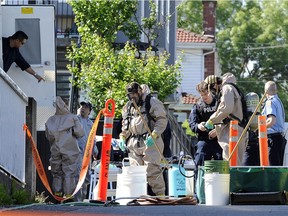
(258, 179)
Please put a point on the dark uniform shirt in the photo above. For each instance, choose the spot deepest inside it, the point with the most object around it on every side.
(11, 55)
(201, 112)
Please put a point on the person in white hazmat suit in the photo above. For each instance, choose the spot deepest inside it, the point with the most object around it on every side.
(230, 104)
(62, 131)
(140, 144)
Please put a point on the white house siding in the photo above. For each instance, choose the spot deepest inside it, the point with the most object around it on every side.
(12, 118)
(191, 69)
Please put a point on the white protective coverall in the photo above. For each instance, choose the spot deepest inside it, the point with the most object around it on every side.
(230, 103)
(62, 129)
(137, 133)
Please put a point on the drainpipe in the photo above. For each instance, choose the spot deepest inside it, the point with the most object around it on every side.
(208, 53)
(212, 51)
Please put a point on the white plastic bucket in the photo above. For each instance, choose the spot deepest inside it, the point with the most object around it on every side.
(217, 188)
(134, 170)
(132, 182)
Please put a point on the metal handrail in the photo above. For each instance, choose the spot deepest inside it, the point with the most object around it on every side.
(179, 141)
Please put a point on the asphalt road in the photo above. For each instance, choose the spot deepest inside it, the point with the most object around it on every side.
(183, 210)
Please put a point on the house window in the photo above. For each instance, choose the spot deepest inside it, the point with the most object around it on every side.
(32, 49)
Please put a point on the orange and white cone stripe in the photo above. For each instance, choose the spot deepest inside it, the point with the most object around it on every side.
(233, 138)
(106, 148)
(263, 141)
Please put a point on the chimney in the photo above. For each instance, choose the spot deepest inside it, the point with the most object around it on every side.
(209, 26)
(209, 17)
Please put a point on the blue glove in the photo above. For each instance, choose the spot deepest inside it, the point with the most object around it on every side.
(122, 143)
(209, 125)
(149, 141)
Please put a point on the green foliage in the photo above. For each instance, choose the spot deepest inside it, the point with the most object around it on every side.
(109, 72)
(256, 32)
(5, 199)
(17, 196)
(102, 70)
(249, 32)
(21, 197)
(190, 15)
(102, 17)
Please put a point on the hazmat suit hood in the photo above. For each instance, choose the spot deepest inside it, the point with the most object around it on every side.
(228, 78)
(145, 89)
(61, 107)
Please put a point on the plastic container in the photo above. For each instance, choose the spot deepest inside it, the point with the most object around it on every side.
(134, 170)
(176, 181)
(199, 187)
(129, 187)
(216, 166)
(131, 183)
(189, 183)
(217, 189)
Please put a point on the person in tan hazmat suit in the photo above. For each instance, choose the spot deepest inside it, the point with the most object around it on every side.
(62, 131)
(140, 144)
(230, 105)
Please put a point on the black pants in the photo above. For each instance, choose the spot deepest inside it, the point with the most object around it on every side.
(251, 155)
(207, 150)
(276, 148)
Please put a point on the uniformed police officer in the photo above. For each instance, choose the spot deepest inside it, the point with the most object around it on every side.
(207, 145)
(274, 111)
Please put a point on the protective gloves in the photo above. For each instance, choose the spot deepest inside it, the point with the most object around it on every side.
(122, 143)
(209, 125)
(149, 141)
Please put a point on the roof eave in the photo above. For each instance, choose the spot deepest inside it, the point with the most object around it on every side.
(195, 45)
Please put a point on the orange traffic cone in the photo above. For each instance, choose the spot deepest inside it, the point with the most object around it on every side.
(263, 141)
(106, 147)
(233, 138)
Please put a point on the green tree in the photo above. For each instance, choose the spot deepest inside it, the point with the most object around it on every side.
(251, 42)
(102, 70)
(256, 33)
(190, 15)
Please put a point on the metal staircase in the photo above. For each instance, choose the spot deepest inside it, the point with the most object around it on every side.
(179, 141)
(63, 84)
